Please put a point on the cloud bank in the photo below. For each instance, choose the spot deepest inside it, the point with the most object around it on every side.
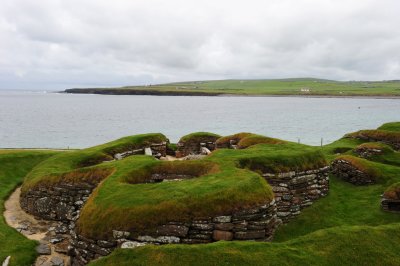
(55, 44)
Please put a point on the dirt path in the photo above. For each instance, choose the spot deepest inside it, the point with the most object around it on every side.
(50, 234)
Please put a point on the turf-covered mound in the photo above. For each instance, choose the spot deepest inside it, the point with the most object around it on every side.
(355, 170)
(86, 165)
(371, 149)
(393, 126)
(391, 198)
(244, 140)
(391, 138)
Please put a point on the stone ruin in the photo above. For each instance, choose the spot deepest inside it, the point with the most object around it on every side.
(367, 152)
(196, 146)
(293, 191)
(350, 173)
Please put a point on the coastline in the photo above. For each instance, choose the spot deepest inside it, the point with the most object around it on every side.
(211, 94)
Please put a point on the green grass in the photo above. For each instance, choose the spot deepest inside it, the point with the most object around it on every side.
(263, 87)
(199, 137)
(394, 126)
(14, 165)
(347, 245)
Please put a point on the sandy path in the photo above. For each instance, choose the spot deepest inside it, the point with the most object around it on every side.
(35, 229)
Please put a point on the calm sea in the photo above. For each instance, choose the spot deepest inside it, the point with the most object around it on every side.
(52, 120)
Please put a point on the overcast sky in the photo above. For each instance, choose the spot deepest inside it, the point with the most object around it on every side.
(58, 44)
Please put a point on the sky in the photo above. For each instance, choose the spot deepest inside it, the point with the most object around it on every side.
(57, 44)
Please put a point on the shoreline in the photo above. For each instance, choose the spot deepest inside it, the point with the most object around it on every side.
(205, 94)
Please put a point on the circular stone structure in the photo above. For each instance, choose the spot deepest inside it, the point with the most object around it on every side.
(118, 192)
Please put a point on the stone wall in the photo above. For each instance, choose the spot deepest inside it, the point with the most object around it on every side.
(348, 172)
(390, 205)
(257, 223)
(195, 146)
(60, 202)
(365, 152)
(157, 150)
(297, 190)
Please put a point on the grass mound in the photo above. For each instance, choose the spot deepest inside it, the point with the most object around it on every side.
(199, 137)
(225, 141)
(386, 136)
(257, 139)
(393, 192)
(244, 140)
(375, 146)
(85, 165)
(394, 126)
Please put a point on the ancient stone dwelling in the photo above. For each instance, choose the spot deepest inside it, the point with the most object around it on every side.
(293, 190)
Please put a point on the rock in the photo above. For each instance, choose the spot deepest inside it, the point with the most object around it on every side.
(105, 244)
(64, 211)
(173, 230)
(256, 234)
(120, 234)
(148, 151)
(61, 229)
(57, 261)
(160, 239)
(132, 244)
(78, 203)
(43, 249)
(222, 219)
(56, 240)
(204, 151)
(6, 261)
(43, 205)
(61, 247)
(224, 226)
(222, 235)
(205, 226)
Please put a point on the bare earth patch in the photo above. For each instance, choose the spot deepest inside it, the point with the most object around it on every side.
(50, 234)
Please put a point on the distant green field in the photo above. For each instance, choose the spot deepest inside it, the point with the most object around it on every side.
(284, 87)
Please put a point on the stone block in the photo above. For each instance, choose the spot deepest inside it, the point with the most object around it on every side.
(222, 235)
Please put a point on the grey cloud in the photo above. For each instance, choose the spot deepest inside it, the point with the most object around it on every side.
(54, 44)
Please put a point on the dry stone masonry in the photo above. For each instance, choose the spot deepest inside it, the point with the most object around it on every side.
(297, 190)
(193, 147)
(390, 205)
(348, 172)
(257, 223)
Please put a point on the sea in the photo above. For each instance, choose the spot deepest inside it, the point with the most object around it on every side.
(43, 119)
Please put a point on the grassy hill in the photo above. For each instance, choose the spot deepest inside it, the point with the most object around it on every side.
(283, 87)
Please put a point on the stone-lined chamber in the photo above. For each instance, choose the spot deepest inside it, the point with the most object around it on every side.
(196, 143)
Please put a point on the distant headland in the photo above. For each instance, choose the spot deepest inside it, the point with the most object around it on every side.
(259, 87)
